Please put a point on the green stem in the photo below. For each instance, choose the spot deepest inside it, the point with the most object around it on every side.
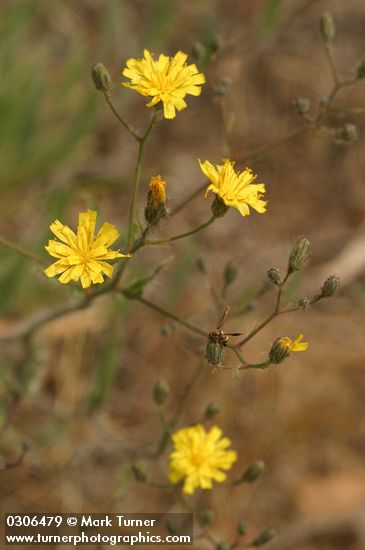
(137, 178)
(272, 315)
(20, 250)
(126, 125)
(331, 63)
(182, 235)
(165, 313)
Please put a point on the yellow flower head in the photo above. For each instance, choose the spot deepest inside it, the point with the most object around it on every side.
(296, 345)
(168, 79)
(283, 346)
(234, 188)
(200, 457)
(157, 188)
(82, 256)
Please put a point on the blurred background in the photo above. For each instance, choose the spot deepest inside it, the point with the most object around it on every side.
(79, 392)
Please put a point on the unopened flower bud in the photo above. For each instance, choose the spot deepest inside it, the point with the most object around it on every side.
(304, 303)
(299, 255)
(327, 28)
(254, 471)
(301, 105)
(347, 133)
(242, 528)
(212, 410)
(221, 88)
(199, 52)
(155, 210)
(173, 527)
(330, 286)
(201, 265)
(101, 78)
(263, 537)
(323, 102)
(207, 517)
(280, 350)
(167, 329)
(139, 470)
(161, 392)
(219, 208)
(26, 445)
(214, 351)
(274, 275)
(216, 43)
(230, 273)
(360, 71)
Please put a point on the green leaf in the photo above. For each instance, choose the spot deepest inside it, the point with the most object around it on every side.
(136, 289)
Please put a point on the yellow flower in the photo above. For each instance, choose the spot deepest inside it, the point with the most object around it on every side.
(168, 79)
(234, 188)
(296, 345)
(200, 457)
(157, 188)
(283, 346)
(82, 256)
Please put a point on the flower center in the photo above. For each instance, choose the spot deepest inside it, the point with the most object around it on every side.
(198, 457)
(85, 255)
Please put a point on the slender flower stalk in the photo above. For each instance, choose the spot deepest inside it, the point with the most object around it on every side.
(183, 235)
(137, 178)
(123, 122)
(20, 250)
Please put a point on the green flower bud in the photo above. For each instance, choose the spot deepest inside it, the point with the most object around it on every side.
(216, 43)
(230, 273)
(161, 392)
(221, 88)
(242, 528)
(219, 208)
(280, 350)
(330, 286)
(263, 537)
(199, 52)
(299, 255)
(304, 304)
(26, 446)
(274, 275)
(347, 133)
(360, 71)
(212, 410)
(139, 470)
(327, 28)
(101, 78)
(201, 265)
(214, 353)
(173, 527)
(207, 517)
(254, 471)
(301, 105)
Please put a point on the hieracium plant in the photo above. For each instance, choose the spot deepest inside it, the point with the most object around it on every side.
(198, 457)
